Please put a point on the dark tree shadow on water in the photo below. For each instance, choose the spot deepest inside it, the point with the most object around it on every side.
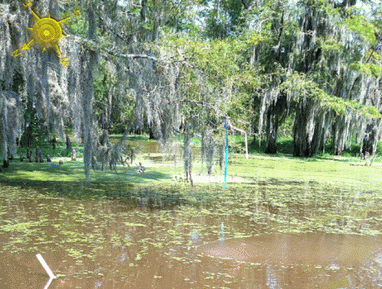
(68, 181)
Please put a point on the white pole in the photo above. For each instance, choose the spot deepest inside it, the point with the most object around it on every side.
(241, 131)
(46, 267)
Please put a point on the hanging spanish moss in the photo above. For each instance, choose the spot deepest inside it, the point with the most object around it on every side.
(57, 93)
(323, 48)
(316, 64)
(209, 147)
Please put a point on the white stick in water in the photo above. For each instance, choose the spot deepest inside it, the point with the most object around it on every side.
(46, 267)
(48, 284)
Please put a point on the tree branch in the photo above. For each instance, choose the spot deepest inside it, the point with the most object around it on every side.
(374, 49)
(92, 45)
(132, 56)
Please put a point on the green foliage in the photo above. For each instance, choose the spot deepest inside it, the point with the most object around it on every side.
(238, 54)
(379, 148)
(17, 82)
(77, 25)
(360, 25)
(195, 141)
(101, 94)
(36, 131)
(113, 111)
(122, 113)
(285, 145)
(301, 87)
(286, 128)
(370, 69)
(330, 44)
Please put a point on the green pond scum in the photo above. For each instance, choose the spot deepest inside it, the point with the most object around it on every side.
(124, 229)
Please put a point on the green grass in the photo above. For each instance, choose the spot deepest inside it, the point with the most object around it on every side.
(130, 137)
(335, 170)
(69, 179)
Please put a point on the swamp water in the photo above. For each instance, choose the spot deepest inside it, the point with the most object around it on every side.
(276, 235)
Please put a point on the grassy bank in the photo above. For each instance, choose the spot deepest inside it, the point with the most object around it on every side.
(68, 179)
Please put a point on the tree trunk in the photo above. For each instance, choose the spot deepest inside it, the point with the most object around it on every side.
(276, 114)
(340, 134)
(303, 130)
(318, 140)
(3, 121)
(88, 64)
(308, 127)
(370, 140)
(271, 131)
(187, 154)
(151, 133)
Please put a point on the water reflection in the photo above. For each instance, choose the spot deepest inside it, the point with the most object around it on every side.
(271, 278)
(98, 284)
(327, 260)
(293, 249)
(120, 267)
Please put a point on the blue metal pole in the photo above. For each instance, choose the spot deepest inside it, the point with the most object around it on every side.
(226, 152)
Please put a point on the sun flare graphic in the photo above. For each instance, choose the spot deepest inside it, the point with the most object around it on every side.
(46, 33)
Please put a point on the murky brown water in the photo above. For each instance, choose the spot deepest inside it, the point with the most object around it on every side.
(277, 261)
(116, 244)
(339, 251)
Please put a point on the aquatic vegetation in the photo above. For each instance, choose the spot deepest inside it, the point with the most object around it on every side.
(115, 230)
